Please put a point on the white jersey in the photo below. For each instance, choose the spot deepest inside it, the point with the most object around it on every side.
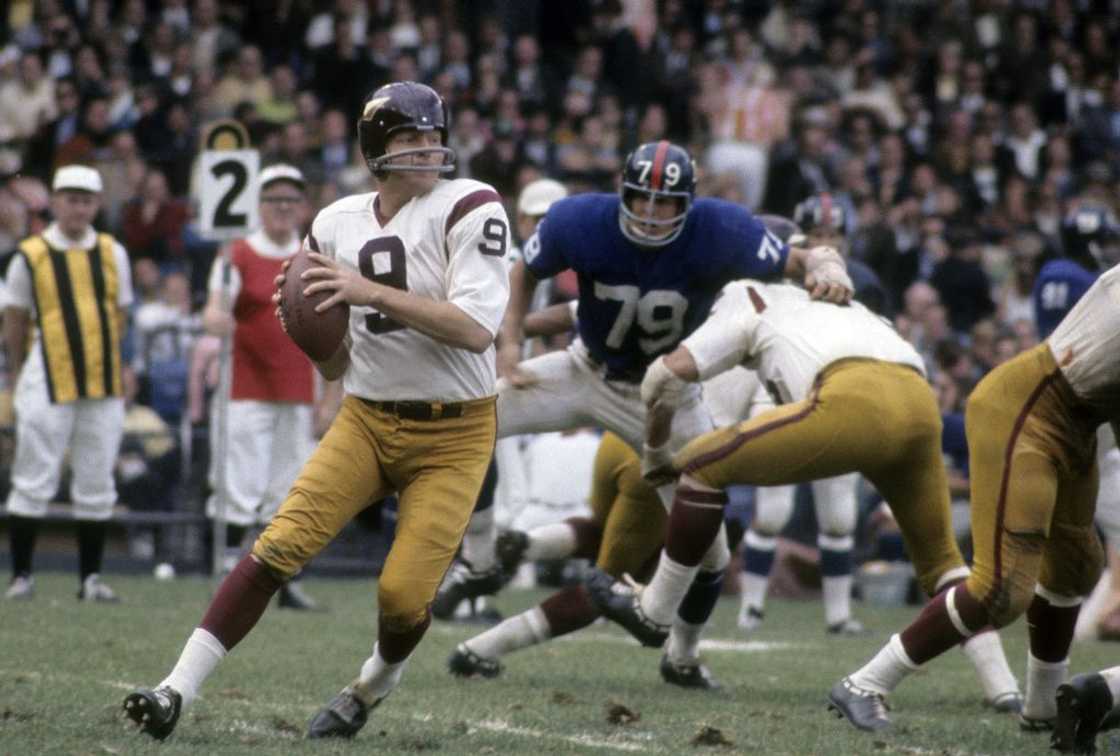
(448, 245)
(731, 395)
(1086, 345)
(778, 331)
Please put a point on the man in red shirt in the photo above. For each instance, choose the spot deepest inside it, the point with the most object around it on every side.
(269, 420)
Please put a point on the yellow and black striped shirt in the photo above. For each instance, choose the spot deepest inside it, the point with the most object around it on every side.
(75, 293)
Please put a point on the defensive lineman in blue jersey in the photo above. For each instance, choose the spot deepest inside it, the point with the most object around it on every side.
(1090, 243)
(650, 262)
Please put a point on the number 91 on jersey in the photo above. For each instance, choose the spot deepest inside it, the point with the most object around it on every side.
(227, 193)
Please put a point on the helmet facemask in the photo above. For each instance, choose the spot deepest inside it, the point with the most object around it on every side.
(631, 222)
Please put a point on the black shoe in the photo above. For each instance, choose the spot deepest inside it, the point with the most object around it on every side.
(865, 709)
(461, 583)
(292, 596)
(1083, 704)
(155, 711)
(510, 549)
(466, 663)
(1035, 724)
(618, 601)
(848, 627)
(695, 676)
(343, 717)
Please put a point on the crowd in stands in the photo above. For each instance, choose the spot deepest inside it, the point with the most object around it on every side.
(957, 135)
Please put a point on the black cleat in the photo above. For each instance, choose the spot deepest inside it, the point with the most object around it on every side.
(848, 627)
(1035, 724)
(510, 549)
(343, 717)
(695, 676)
(156, 712)
(292, 596)
(462, 583)
(865, 709)
(1083, 704)
(466, 663)
(619, 602)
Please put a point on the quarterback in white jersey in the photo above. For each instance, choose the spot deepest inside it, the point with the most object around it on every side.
(420, 262)
(854, 399)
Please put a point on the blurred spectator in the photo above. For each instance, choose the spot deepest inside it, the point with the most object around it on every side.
(39, 159)
(211, 41)
(164, 331)
(963, 285)
(153, 222)
(26, 102)
(245, 82)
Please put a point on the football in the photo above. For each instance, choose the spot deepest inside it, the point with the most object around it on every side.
(318, 334)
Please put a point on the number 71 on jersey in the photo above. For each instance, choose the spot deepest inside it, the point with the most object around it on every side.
(227, 193)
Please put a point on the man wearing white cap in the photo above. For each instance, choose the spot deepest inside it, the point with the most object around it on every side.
(269, 422)
(71, 286)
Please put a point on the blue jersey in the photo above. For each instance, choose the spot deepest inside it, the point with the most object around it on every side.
(638, 302)
(1059, 285)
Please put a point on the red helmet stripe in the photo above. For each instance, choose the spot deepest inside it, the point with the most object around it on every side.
(658, 164)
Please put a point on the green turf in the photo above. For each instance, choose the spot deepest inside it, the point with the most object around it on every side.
(65, 667)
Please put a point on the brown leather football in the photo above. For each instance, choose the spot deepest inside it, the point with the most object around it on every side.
(318, 334)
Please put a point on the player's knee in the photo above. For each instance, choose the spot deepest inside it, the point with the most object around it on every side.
(282, 556)
(402, 602)
(1005, 600)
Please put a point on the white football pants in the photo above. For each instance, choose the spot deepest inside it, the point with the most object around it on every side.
(268, 443)
(90, 429)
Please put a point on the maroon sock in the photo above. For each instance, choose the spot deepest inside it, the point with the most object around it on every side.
(395, 642)
(1051, 629)
(588, 537)
(693, 524)
(568, 610)
(932, 633)
(240, 601)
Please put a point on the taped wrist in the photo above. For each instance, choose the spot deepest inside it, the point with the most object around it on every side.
(827, 266)
(661, 385)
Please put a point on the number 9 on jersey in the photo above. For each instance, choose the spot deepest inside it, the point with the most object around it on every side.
(227, 193)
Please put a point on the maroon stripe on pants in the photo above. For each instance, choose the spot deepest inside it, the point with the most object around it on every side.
(1001, 503)
(741, 438)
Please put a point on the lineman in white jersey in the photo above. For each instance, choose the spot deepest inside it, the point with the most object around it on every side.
(1031, 426)
(854, 398)
(421, 264)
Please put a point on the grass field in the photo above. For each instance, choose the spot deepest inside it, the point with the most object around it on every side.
(65, 667)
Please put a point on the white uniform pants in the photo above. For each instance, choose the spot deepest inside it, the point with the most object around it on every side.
(267, 445)
(1108, 495)
(570, 393)
(90, 429)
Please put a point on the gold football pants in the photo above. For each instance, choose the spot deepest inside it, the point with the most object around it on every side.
(876, 418)
(435, 466)
(1032, 452)
(627, 510)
